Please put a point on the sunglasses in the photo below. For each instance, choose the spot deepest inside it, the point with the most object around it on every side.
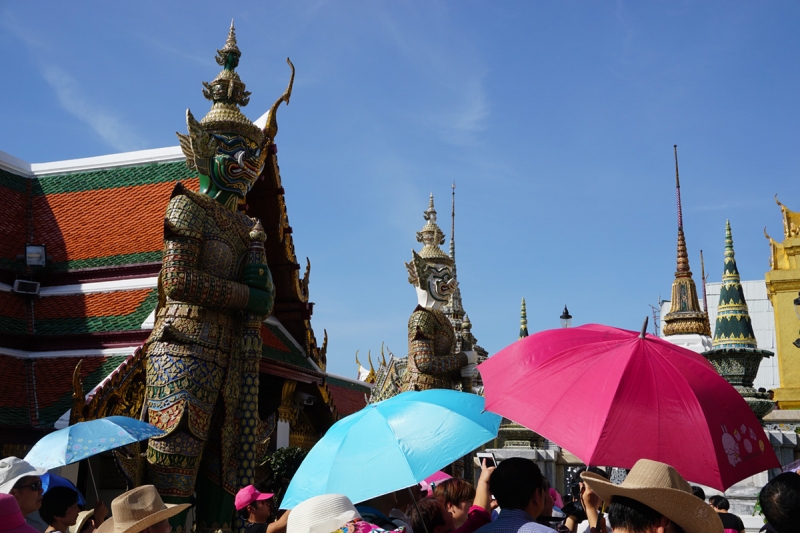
(36, 486)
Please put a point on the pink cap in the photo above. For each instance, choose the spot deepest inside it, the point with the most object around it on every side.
(248, 495)
(11, 519)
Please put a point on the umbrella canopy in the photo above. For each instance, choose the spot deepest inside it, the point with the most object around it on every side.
(393, 444)
(50, 480)
(611, 397)
(85, 439)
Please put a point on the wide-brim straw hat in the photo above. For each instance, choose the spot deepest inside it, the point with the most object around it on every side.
(660, 487)
(321, 514)
(83, 517)
(138, 509)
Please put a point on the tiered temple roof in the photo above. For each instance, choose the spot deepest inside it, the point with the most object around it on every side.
(101, 221)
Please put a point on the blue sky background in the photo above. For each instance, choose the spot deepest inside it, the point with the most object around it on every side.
(556, 120)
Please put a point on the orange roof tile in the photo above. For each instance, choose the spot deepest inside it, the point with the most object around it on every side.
(102, 222)
(96, 304)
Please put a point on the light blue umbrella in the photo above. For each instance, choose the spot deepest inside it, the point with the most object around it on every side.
(85, 439)
(392, 445)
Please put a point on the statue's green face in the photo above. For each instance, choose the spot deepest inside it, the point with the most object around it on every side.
(237, 164)
(440, 283)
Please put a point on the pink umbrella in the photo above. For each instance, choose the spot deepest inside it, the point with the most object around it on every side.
(434, 479)
(612, 396)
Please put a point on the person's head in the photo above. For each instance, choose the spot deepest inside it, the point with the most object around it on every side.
(456, 496)
(60, 507)
(252, 505)
(140, 510)
(517, 483)
(431, 515)
(720, 503)
(653, 498)
(22, 481)
(780, 502)
(699, 492)
(11, 519)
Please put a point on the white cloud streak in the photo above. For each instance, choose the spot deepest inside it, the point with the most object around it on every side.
(72, 98)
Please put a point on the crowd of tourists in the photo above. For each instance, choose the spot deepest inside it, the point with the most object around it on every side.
(514, 497)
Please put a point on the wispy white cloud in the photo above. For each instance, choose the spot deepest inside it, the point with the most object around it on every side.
(10, 24)
(462, 107)
(72, 98)
(158, 44)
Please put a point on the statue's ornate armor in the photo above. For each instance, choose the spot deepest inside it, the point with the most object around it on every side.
(193, 362)
(431, 363)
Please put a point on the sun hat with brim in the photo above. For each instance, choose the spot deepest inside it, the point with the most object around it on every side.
(660, 487)
(83, 518)
(138, 509)
(11, 519)
(12, 469)
(321, 514)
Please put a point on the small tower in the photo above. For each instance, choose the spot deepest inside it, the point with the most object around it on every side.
(523, 321)
(735, 352)
(685, 322)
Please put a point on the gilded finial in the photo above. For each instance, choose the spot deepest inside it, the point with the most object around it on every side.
(271, 126)
(728, 242)
(678, 187)
(523, 321)
(225, 57)
(703, 279)
(431, 237)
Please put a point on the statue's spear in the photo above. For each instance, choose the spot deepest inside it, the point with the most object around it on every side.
(251, 354)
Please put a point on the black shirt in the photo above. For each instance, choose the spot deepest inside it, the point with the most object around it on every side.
(729, 521)
(255, 528)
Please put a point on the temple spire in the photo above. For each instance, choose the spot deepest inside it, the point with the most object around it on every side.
(685, 316)
(523, 321)
(453, 231)
(703, 278)
(733, 328)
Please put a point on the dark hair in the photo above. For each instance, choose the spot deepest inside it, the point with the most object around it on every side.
(630, 515)
(55, 502)
(454, 491)
(428, 513)
(720, 502)
(780, 502)
(699, 492)
(514, 482)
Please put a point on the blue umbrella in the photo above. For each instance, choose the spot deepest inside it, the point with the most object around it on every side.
(51, 480)
(85, 439)
(392, 445)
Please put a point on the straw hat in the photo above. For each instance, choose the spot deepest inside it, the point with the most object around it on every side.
(11, 519)
(138, 509)
(660, 487)
(321, 514)
(83, 518)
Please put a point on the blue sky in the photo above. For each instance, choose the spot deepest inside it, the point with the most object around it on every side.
(556, 120)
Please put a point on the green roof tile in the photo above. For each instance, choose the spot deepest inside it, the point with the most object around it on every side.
(98, 324)
(112, 178)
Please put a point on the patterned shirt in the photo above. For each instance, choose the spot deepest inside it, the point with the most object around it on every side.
(514, 521)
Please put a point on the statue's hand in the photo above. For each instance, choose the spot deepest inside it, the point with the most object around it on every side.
(258, 276)
(259, 302)
(472, 357)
